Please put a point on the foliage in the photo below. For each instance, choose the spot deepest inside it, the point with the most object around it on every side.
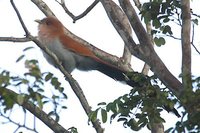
(190, 119)
(73, 130)
(137, 109)
(141, 107)
(32, 87)
(161, 14)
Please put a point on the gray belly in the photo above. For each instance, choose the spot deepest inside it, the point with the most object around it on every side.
(69, 60)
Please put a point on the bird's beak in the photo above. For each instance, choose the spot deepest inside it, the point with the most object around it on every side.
(38, 21)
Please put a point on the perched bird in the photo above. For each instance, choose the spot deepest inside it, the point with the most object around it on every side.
(72, 53)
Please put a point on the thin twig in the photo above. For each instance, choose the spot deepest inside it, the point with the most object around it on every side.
(43, 7)
(16, 123)
(75, 18)
(192, 42)
(20, 18)
(75, 86)
(73, 83)
(196, 48)
(15, 39)
(177, 38)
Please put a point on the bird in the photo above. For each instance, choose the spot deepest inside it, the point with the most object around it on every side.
(74, 55)
(71, 53)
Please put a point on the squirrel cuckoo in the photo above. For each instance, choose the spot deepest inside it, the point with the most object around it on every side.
(73, 54)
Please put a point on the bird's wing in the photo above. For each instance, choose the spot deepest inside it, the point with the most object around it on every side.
(76, 47)
(80, 49)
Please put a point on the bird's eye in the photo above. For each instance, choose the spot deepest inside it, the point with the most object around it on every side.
(48, 23)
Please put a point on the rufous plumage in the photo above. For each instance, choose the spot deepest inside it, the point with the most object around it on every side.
(72, 53)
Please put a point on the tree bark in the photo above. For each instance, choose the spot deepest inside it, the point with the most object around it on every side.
(186, 45)
(36, 111)
(145, 50)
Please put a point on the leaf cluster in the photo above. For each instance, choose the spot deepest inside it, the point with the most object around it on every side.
(190, 119)
(160, 13)
(141, 107)
(32, 86)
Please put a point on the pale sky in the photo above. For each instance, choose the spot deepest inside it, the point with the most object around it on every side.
(96, 29)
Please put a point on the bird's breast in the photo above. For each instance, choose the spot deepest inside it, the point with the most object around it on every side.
(69, 59)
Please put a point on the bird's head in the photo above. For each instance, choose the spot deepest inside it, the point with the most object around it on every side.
(50, 27)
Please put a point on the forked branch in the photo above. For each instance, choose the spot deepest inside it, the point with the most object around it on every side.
(74, 85)
(75, 18)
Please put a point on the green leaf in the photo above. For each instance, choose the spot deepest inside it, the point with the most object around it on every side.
(102, 103)
(61, 89)
(159, 41)
(55, 82)
(93, 115)
(64, 107)
(112, 107)
(25, 81)
(57, 117)
(103, 115)
(147, 17)
(51, 113)
(133, 124)
(27, 48)
(20, 58)
(39, 101)
(122, 119)
(20, 99)
(48, 76)
(65, 96)
(195, 21)
(40, 90)
(112, 117)
(165, 20)
(156, 23)
(167, 29)
(72, 130)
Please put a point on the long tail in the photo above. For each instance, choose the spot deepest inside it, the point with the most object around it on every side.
(119, 75)
(115, 73)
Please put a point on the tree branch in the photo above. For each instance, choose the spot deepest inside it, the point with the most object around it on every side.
(15, 39)
(35, 111)
(43, 7)
(123, 20)
(137, 4)
(73, 83)
(146, 51)
(126, 57)
(146, 67)
(114, 60)
(186, 45)
(155, 127)
(20, 18)
(75, 18)
(75, 86)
